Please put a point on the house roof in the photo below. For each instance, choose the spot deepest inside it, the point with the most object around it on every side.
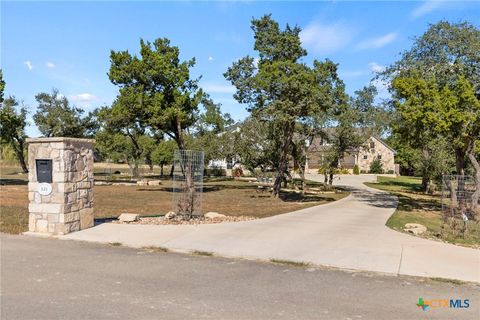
(317, 142)
(384, 143)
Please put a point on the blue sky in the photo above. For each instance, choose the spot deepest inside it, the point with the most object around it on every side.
(66, 45)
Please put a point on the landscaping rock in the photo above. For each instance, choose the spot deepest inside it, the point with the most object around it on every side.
(128, 217)
(214, 215)
(192, 221)
(170, 215)
(415, 228)
(154, 182)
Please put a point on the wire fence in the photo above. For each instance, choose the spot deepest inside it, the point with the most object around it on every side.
(188, 182)
(459, 201)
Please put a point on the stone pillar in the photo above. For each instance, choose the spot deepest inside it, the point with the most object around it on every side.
(60, 187)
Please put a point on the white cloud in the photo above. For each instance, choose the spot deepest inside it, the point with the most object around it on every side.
(29, 64)
(83, 97)
(49, 64)
(322, 38)
(218, 88)
(375, 67)
(426, 8)
(379, 42)
(210, 58)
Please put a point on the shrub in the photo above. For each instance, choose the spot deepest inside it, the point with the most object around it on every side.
(237, 172)
(376, 166)
(390, 171)
(345, 171)
(363, 171)
(356, 169)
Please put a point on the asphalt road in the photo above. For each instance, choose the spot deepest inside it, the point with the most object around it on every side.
(53, 279)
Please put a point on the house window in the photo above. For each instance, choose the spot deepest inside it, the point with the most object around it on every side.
(372, 145)
(379, 157)
(365, 157)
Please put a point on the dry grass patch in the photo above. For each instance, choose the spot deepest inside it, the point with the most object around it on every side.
(226, 196)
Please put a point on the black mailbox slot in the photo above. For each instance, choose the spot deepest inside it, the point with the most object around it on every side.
(44, 170)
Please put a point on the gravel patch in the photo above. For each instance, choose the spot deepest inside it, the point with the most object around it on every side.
(175, 221)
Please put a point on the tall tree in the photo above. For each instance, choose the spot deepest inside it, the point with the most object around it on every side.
(427, 109)
(160, 94)
(352, 122)
(55, 117)
(12, 128)
(157, 88)
(330, 96)
(277, 88)
(445, 51)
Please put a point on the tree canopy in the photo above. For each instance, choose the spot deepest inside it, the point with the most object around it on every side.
(56, 117)
(436, 90)
(156, 90)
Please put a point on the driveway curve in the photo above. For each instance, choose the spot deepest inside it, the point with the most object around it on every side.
(349, 233)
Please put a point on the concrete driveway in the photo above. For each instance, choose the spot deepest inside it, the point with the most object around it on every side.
(349, 233)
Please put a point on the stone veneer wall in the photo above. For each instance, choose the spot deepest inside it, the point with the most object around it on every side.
(69, 207)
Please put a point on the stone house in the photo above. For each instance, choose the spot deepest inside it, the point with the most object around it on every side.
(374, 148)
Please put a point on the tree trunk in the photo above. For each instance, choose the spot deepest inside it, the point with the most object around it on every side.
(149, 162)
(186, 208)
(460, 161)
(134, 172)
(476, 194)
(301, 172)
(161, 170)
(282, 167)
(330, 178)
(425, 181)
(20, 156)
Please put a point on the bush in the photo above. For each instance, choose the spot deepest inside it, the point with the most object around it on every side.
(376, 166)
(356, 169)
(237, 172)
(390, 171)
(363, 171)
(344, 171)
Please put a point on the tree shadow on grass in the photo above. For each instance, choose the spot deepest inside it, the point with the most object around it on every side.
(407, 203)
(298, 197)
(204, 189)
(13, 182)
(413, 186)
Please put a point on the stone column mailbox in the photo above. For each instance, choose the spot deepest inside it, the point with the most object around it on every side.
(60, 187)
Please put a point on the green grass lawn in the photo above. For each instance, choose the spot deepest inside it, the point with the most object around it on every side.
(416, 207)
